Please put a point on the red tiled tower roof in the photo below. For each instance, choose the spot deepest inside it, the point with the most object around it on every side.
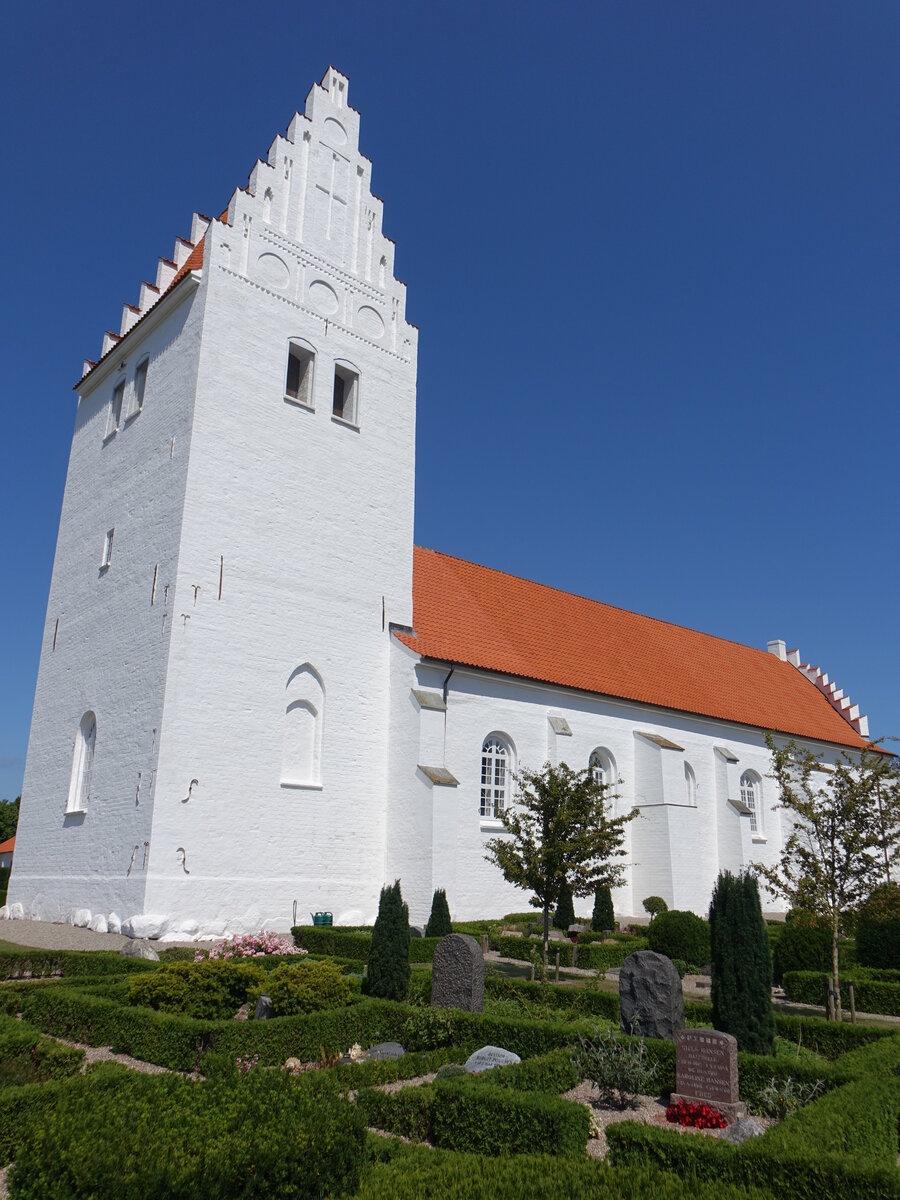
(475, 616)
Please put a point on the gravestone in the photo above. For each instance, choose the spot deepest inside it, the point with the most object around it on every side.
(488, 1057)
(134, 949)
(743, 1130)
(457, 973)
(384, 1052)
(706, 1071)
(650, 999)
(264, 1009)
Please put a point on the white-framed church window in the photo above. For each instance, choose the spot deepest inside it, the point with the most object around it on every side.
(115, 409)
(82, 765)
(302, 736)
(140, 386)
(345, 403)
(496, 764)
(298, 384)
(751, 795)
(603, 770)
(690, 785)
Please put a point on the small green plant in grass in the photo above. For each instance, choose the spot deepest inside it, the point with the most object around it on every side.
(618, 1067)
(439, 921)
(782, 1097)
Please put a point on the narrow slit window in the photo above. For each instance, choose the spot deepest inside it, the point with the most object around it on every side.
(298, 386)
(140, 385)
(115, 408)
(107, 549)
(346, 394)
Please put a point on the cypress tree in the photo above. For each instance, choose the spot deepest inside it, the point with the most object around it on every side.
(565, 909)
(387, 975)
(603, 917)
(741, 964)
(439, 921)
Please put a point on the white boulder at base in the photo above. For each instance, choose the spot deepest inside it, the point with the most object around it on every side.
(256, 698)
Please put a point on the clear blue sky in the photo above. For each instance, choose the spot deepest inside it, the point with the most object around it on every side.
(652, 250)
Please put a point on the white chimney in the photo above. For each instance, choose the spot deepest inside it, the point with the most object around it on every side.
(779, 649)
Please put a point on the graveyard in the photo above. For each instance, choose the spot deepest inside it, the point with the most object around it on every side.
(332, 1063)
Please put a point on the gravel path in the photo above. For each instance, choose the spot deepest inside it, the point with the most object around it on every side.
(95, 1054)
(47, 935)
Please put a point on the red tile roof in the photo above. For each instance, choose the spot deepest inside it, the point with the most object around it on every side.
(8, 846)
(472, 615)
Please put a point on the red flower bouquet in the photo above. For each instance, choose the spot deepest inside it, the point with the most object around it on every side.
(697, 1116)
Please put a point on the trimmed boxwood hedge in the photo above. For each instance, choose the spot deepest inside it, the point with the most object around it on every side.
(870, 995)
(592, 956)
(42, 964)
(26, 1057)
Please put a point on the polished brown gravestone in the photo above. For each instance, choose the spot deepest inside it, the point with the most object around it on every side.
(706, 1071)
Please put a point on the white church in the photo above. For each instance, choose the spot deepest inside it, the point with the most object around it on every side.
(257, 699)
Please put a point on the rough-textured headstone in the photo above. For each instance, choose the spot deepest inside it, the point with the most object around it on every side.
(264, 1009)
(457, 973)
(384, 1052)
(706, 1071)
(650, 999)
(488, 1057)
(416, 931)
(242, 1014)
(743, 1130)
(135, 949)
(578, 929)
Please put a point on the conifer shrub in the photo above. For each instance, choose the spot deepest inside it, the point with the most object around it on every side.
(741, 964)
(439, 921)
(209, 990)
(565, 910)
(305, 987)
(804, 945)
(680, 935)
(387, 975)
(878, 928)
(603, 918)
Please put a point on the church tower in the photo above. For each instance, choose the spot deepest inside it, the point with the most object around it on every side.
(210, 728)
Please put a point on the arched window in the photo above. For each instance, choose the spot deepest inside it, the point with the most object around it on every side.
(298, 384)
(751, 794)
(82, 765)
(690, 785)
(603, 770)
(267, 205)
(301, 747)
(496, 763)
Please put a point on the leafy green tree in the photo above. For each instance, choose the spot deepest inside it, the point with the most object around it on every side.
(439, 921)
(741, 964)
(654, 905)
(559, 832)
(845, 837)
(387, 975)
(565, 909)
(9, 818)
(603, 917)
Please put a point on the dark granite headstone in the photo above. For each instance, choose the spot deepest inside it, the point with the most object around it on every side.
(384, 1052)
(416, 931)
(488, 1057)
(706, 1071)
(457, 973)
(264, 1009)
(650, 999)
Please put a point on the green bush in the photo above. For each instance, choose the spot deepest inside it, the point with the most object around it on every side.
(388, 969)
(43, 964)
(603, 918)
(654, 905)
(619, 1068)
(439, 922)
(305, 987)
(878, 929)
(804, 945)
(870, 995)
(212, 989)
(680, 935)
(741, 964)
(333, 941)
(564, 916)
(593, 956)
(162, 1136)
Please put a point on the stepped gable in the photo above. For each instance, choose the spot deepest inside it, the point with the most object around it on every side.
(833, 694)
(306, 226)
(479, 617)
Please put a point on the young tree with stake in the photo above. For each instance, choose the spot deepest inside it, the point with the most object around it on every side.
(558, 834)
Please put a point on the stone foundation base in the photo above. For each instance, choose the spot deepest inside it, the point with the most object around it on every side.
(732, 1112)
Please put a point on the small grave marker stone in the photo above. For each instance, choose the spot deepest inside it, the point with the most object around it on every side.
(385, 1052)
(650, 998)
(264, 1009)
(706, 1071)
(457, 974)
(488, 1057)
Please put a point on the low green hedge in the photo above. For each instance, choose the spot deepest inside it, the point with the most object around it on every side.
(333, 941)
(41, 964)
(162, 1136)
(592, 956)
(26, 1057)
(414, 1173)
(870, 995)
(471, 1115)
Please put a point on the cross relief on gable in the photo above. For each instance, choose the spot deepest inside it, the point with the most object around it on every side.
(332, 193)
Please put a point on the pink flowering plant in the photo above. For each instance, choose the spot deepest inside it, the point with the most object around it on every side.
(250, 945)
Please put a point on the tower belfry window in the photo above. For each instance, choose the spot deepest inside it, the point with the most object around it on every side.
(298, 385)
(115, 408)
(346, 395)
